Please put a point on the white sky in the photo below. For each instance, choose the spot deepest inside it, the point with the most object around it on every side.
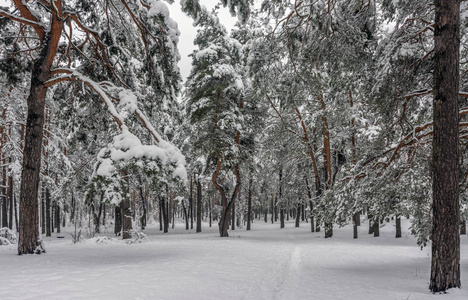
(187, 31)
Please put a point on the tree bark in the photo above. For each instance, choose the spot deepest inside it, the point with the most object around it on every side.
(126, 218)
(29, 214)
(249, 204)
(43, 220)
(48, 223)
(355, 226)
(398, 227)
(376, 228)
(199, 206)
(445, 267)
(118, 221)
(10, 196)
(298, 214)
(191, 203)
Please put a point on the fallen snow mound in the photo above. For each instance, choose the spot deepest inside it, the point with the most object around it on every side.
(7, 237)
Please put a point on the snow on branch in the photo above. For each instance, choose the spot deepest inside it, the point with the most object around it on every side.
(164, 151)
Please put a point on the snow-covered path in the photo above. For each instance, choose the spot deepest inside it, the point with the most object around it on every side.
(265, 263)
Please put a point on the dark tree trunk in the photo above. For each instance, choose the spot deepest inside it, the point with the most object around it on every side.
(160, 215)
(272, 208)
(143, 202)
(358, 218)
(298, 215)
(32, 152)
(191, 203)
(233, 213)
(398, 227)
(16, 214)
(57, 217)
(249, 204)
(118, 221)
(355, 226)
(281, 217)
(10, 189)
(165, 216)
(48, 222)
(103, 214)
(199, 206)
(445, 267)
(43, 212)
(376, 228)
(73, 206)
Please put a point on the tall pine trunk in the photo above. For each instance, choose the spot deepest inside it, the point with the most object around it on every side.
(28, 206)
(199, 206)
(249, 204)
(445, 267)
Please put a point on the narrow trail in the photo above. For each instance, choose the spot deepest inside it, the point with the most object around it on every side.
(288, 275)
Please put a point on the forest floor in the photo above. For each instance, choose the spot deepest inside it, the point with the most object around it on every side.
(265, 263)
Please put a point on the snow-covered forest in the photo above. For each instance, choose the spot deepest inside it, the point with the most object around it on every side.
(316, 150)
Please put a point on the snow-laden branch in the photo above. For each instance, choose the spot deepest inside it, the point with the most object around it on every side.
(166, 152)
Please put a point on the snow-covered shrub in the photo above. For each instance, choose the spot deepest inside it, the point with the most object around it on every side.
(7, 237)
(137, 237)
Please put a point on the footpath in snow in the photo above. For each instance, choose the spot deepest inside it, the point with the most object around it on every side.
(265, 263)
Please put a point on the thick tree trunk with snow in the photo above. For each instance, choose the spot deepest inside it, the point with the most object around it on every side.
(126, 218)
(445, 268)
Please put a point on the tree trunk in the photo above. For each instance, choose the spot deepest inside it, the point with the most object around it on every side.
(272, 208)
(4, 196)
(376, 228)
(199, 206)
(10, 189)
(355, 226)
(463, 227)
(57, 217)
(298, 215)
(191, 203)
(126, 218)
(118, 221)
(371, 223)
(185, 215)
(233, 214)
(249, 203)
(143, 202)
(48, 222)
(29, 220)
(43, 218)
(16, 214)
(328, 229)
(398, 227)
(445, 267)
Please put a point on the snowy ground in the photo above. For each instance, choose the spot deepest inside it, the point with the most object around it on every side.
(265, 263)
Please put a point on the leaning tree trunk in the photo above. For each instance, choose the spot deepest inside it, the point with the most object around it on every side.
(445, 267)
